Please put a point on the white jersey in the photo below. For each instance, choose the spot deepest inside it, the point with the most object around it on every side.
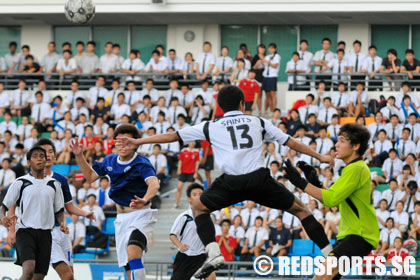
(37, 199)
(237, 140)
(185, 230)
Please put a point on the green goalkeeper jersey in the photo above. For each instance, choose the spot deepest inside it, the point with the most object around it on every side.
(352, 193)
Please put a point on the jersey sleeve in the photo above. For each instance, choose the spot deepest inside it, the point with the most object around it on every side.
(147, 170)
(66, 190)
(58, 198)
(12, 194)
(192, 133)
(343, 187)
(274, 133)
(176, 227)
(99, 167)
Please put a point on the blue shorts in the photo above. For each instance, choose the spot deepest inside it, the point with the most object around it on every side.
(269, 84)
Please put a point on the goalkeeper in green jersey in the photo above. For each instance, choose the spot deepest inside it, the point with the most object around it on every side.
(358, 231)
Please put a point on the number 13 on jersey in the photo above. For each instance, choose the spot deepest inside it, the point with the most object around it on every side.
(244, 135)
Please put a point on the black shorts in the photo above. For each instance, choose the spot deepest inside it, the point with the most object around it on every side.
(257, 186)
(185, 177)
(209, 164)
(351, 245)
(248, 105)
(34, 244)
(185, 266)
(269, 84)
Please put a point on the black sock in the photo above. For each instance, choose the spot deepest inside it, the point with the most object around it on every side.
(315, 231)
(205, 229)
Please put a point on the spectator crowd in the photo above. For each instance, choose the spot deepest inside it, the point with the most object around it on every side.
(340, 93)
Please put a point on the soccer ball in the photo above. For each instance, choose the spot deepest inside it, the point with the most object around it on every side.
(79, 11)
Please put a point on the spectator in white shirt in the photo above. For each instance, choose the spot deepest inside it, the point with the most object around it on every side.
(49, 61)
(199, 111)
(239, 72)
(406, 90)
(371, 66)
(320, 94)
(4, 99)
(116, 49)
(270, 76)
(332, 219)
(411, 196)
(40, 111)
(150, 91)
(7, 124)
(358, 100)
(41, 86)
(390, 109)
(66, 65)
(205, 62)
(29, 142)
(7, 176)
(189, 66)
(77, 233)
(89, 63)
(382, 147)
(321, 60)
(159, 108)
(161, 124)
(323, 143)
(159, 162)
(241, 55)
(24, 129)
(338, 65)
(80, 49)
(388, 235)
(223, 65)
(392, 167)
(308, 109)
(2, 65)
(325, 115)
(173, 91)
(157, 65)
(294, 67)
(132, 96)
(120, 109)
(65, 124)
(78, 110)
(305, 55)
(12, 58)
(392, 195)
(334, 128)
(406, 146)
(256, 237)
(356, 61)
(97, 91)
(73, 94)
(406, 109)
(400, 217)
(341, 99)
(93, 226)
(174, 64)
(414, 127)
(132, 65)
(375, 127)
(20, 100)
(382, 214)
(415, 226)
(109, 62)
(174, 110)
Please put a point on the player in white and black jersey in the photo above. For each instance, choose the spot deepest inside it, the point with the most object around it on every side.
(237, 140)
(39, 198)
(191, 252)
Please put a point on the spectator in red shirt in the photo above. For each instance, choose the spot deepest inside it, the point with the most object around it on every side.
(189, 159)
(397, 251)
(218, 112)
(207, 161)
(89, 140)
(109, 141)
(251, 90)
(227, 243)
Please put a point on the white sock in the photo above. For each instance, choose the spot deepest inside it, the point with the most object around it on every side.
(327, 250)
(213, 249)
(137, 270)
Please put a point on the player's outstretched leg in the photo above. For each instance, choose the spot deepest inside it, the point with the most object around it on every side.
(63, 270)
(135, 248)
(207, 234)
(312, 227)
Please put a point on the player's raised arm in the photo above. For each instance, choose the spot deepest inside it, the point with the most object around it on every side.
(161, 138)
(87, 171)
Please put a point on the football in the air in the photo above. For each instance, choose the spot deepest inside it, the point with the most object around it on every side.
(79, 11)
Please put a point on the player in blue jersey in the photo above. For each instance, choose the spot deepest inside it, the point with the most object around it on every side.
(61, 249)
(133, 185)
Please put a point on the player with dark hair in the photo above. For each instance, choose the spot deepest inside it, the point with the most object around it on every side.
(237, 141)
(358, 229)
(39, 199)
(61, 249)
(133, 185)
